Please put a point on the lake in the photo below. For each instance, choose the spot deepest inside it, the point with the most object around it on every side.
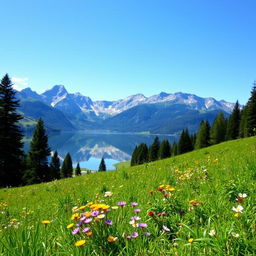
(88, 148)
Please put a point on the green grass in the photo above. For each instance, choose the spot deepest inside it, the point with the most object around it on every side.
(122, 165)
(212, 177)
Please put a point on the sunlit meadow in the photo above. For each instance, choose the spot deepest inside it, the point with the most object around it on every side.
(200, 203)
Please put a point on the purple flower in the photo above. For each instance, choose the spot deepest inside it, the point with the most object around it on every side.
(134, 235)
(95, 213)
(147, 234)
(143, 225)
(76, 231)
(134, 204)
(87, 221)
(85, 230)
(135, 218)
(79, 224)
(122, 203)
(128, 237)
(108, 222)
(166, 229)
(137, 210)
(83, 218)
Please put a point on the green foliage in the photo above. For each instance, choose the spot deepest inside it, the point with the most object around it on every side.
(10, 136)
(37, 159)
(203, 135)
(185, 144)
(153, 151)
(164, 150)
(102, 166)
(66, 168)
(134, 158)
(218, 130)
(55, 167)
(243, 130)
(78, 170)
(251, 112)
(234, 123)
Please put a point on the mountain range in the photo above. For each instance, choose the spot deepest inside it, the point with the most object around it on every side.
(161, 113)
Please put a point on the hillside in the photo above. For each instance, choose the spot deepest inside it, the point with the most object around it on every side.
(188, 205)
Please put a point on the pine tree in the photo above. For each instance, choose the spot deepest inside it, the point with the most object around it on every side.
(218, 130)
(243, 131)
(37, 160)
(134, 156)
(185, 144)
(55, 167)
(203, 135)
(174, 149)
(78, 170)
(164, 150)
(154, 150)
(251, 112)
(233, 123)
(142, 154)
(102, 166)
(10, 136)
(66, 168)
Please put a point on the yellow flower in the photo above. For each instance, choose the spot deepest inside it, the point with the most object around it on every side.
(89, 203)
(82, 207)
(89, 233)
(114, 207)
(70, 225)
(13, 220)
(237, 215)
(46, 222)
(80, 243)
(190, 240)
(112, 239)
(87, 214)
(75, 216)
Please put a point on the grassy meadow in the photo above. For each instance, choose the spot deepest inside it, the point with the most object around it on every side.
(199, 203)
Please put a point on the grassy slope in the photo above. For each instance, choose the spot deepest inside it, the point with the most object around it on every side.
(231, 168)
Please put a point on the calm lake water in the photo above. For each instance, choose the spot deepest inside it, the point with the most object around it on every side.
(89, 148)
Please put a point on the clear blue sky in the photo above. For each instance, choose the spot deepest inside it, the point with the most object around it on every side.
(110, 49)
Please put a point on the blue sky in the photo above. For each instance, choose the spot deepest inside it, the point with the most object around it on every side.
(110, 49)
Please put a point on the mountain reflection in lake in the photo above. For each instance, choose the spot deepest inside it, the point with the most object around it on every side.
(89, 148)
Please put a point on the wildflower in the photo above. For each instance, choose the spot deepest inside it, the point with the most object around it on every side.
(76, 231)
(112, 239)
(143, 225)
(166, 229)
(237, 215)
(137, 210)
(236, 235)
(86, 230)
(242, 195)
(238, 209)
(114, 207)
(212, 232)
(75, 216)
(46, 222)
(147, 234)
(122, 203)
(95, 213)
(240, 200)
(194, 202)
(70, 226)
(135, 218)
(161, 214)
(160, 189)
(89, 203)
(89, 233)
(151, 213)
(134, 204)
(133, 223)
(108, 194)
(82, 207)
(134, 235)
(101, 216)
(190, 240)
(80, 243)
(87, 221)
(75, 209)
(151, 191)
(108, 222)
(128, 237)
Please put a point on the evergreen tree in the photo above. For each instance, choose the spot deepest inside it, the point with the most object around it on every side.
(78, 170)
(164, 150)
(218, 130)
(185, 144)
(193, 140)
(174, 149)
(134, 156)
(203, 135)
(243, 131)
(37, 160)
(233, 123)
(142, 154)
(154, 150)
(102, 166)
(10, 136)
(66, 168)
(251, 112)
(55, 167)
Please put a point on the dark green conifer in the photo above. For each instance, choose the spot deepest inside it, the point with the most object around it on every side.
(37, 160)
(251, 112)
(185, 144)
(78, 170)
(243, 131)
(174, 149)
(10, 136)
(134, 156)
(233, 123)
(66, 168)
(142, 155)
(102, 166)
(55, 166)
(153, 151)
(203, 135)
(164, 150)
(218, 130)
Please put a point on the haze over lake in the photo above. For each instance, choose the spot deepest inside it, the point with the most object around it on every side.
(88, 148)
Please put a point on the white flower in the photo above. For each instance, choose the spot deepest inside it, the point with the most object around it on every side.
(236, 235)
(242, 195)
(212, 232)
(238, 209)
(108, 194)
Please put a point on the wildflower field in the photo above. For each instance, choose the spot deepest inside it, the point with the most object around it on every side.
(200, 203)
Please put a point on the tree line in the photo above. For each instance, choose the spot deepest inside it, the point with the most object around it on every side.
(241, 123)
(18, 168)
